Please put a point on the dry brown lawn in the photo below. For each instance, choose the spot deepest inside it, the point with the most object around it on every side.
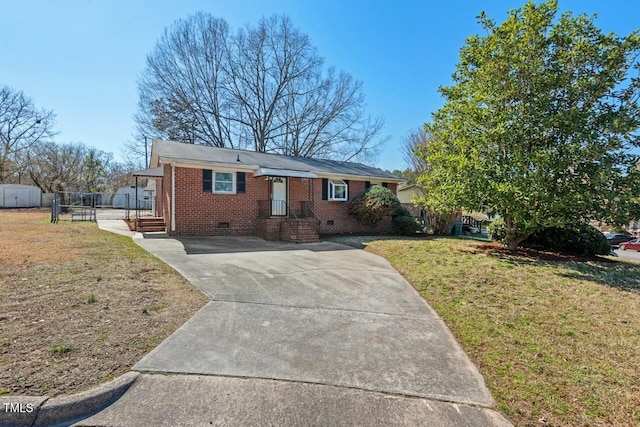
(79, 306)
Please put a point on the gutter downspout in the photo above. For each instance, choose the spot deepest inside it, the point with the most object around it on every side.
(173, 196)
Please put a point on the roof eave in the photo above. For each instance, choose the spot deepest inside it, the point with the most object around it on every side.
(182, 162)
(358, 177)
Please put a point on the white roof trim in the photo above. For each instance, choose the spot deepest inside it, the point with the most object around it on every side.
(372, 179)
(284, 172)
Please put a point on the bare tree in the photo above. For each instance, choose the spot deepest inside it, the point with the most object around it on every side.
(118, 175)
(266, 62)
(21, 126)
(136, 154)
(55, 167)
(71, 167)
(437, 222)
(183, 91)
(324, 117)
(416, 139)
(264, 88)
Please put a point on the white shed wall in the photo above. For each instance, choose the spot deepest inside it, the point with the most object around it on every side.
(120, 197)
(20, 196)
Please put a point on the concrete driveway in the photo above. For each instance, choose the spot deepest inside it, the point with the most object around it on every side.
(313, 315)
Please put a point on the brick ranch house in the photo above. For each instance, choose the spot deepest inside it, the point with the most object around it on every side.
(214, 191)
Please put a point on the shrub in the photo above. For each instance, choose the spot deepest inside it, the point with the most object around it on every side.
(440, 223)
(580, 239)
(374, 204)
(403, 222)
(497, 230)
(406, 225)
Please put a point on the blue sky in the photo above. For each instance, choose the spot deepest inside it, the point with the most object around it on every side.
(81, 58)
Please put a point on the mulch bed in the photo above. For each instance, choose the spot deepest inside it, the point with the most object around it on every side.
(536, 254)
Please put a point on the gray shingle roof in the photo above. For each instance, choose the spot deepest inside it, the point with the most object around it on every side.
(170, 150)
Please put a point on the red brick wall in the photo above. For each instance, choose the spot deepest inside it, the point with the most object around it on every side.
(200, 213)
(338, 212)
(301, 190)
(268, 228)
(415, 210)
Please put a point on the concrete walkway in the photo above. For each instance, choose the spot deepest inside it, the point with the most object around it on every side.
(117, 226)
(314, 334)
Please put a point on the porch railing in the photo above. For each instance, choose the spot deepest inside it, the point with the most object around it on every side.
(306, 211)
(274, 208)
(469, 220)
(143, 206)
(281, 209)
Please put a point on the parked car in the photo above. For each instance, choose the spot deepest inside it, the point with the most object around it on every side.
(616, 239)
(633, 245)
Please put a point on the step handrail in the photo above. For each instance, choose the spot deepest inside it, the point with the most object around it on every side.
(306, 207)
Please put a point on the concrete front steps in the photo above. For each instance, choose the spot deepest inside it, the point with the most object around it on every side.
(304, 233)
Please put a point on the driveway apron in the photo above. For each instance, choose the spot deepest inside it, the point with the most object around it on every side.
(319, 313)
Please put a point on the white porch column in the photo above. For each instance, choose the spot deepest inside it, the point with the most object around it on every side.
(173, 196)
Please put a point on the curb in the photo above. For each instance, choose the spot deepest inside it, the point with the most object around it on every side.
(26, 411)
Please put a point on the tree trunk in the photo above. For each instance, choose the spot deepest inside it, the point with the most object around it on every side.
(513, 240)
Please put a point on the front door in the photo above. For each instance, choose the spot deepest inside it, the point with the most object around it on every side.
(278, 196)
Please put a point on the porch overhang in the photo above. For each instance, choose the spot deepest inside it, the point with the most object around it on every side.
(284, 172)
(149, 173)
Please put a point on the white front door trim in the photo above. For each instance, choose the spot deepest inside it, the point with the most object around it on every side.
(278, 196)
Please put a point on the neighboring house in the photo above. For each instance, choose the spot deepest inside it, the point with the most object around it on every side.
(406, 194)
(220, 191)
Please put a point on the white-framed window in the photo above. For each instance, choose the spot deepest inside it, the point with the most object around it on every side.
(223, 182)
(338, 190)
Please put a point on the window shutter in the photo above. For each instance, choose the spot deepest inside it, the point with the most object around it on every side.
(325, 189)
(367, 184)
(346, 181)
(207, 180)
(385, 185)
(241, 186)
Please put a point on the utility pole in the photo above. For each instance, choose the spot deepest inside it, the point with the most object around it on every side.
(146, 155)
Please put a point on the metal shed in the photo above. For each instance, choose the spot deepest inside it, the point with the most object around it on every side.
(125, 197)
(20, 196)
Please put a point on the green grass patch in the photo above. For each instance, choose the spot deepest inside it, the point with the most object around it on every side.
(61, 348)
(556, 341)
